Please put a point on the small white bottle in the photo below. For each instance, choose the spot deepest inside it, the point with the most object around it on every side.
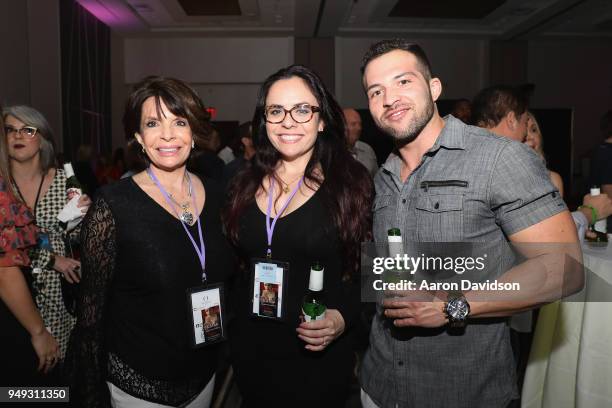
(600, 225)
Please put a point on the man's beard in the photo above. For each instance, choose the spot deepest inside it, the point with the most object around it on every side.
(404, 136)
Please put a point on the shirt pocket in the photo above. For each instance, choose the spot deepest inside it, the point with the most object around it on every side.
(440, 217)
(383, 214)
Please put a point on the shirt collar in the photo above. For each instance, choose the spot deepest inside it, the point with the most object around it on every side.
(451, 137)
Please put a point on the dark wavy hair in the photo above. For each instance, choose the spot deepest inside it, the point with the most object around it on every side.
(180, 99)
(346, 186)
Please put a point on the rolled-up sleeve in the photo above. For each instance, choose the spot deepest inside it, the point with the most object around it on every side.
(521, 193)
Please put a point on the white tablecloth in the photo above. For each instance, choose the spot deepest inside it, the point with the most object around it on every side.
(571, 357)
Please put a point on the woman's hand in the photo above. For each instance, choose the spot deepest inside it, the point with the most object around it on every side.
(84, 203)
(70, 268)
(319, 334)
(46, 349)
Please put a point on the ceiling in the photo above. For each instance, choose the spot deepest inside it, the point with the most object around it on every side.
(496, 19)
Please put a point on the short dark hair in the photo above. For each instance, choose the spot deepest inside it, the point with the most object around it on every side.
(179, 98)
(492, 104)
(385, 46)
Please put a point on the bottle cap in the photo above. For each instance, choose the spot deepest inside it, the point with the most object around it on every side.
(316, 278)
(69, 170)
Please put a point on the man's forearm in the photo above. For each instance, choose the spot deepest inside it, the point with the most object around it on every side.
(543, 279)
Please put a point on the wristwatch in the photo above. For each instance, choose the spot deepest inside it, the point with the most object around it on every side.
(456, 309)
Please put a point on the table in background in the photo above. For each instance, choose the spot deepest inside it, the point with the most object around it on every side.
(570, 364)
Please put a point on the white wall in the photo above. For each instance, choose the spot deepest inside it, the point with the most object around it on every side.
(226, 72)
(573, 74)
(207, 60)
(462, 66)
(233, 101)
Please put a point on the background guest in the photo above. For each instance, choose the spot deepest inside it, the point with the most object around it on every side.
(462, 110)
(360, 150)
(536, 142)
(42, 187)
(601, 165)
(26, 344)
(205, 161)
(502, 110)
(245, 153)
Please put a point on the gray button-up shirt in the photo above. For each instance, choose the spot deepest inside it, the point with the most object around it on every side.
(506, 190)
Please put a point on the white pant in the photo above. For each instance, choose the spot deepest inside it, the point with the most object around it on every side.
(121, 399)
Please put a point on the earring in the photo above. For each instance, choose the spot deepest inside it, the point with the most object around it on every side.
(193, 144)
(143, 150)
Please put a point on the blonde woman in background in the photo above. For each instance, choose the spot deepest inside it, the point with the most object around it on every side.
(26, 343)
(535, 141)
(42, 187)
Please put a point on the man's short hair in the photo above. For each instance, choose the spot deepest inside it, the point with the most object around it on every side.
(492, 104)
(385, 46)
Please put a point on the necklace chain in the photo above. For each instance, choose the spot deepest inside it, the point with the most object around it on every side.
(285, 185)
(186, 216)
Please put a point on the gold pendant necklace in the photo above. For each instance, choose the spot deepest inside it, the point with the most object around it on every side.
(186, 216)
(285, 185)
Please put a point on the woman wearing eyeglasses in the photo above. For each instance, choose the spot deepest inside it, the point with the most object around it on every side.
(42, 187)
(26, 343)
(302, 200)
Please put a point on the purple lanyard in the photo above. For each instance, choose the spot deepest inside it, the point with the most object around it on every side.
(270, 228)
(201, 251)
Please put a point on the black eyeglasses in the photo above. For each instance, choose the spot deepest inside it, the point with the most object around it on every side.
(299, 113)
(26, 131)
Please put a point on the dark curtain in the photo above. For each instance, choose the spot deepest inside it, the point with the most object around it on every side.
(86, 90)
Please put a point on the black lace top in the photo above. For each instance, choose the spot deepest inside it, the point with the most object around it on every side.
(133, 327)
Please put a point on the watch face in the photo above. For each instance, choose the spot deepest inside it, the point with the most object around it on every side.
(457, 309)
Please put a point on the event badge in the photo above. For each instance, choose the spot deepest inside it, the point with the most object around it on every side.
(205, 302)
(43, 241)
(269, 283)
(268, 276)
(207, 309)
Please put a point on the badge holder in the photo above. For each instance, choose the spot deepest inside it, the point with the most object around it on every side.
(269, 282)
(207, 308)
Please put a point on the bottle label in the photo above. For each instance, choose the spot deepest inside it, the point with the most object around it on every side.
(73, 192)
(313, 312)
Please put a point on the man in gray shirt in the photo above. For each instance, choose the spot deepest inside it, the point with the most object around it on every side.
(449, 182)
(360, 150)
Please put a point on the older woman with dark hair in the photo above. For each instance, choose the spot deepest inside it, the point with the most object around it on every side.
(302, 199)
(42, 187)
(147, 241)
(26, 343)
